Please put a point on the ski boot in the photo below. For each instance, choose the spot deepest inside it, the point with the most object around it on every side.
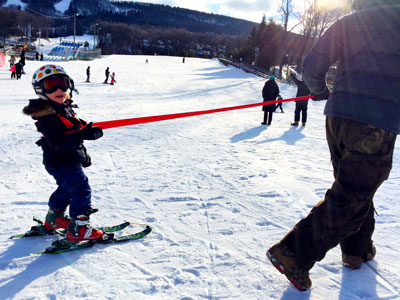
(80, 230)
(354, 262)
(56, 219)
(285, 261)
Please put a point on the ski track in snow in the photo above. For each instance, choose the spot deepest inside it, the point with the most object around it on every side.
(218, 191)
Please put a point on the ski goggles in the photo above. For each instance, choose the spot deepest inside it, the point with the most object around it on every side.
(52, 84)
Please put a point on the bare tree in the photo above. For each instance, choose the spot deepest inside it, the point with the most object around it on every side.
(288, 13)
(317, 19)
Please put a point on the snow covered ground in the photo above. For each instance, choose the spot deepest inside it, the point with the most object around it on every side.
(218, 191)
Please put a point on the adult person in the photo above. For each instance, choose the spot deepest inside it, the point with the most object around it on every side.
(88, 74)
(270, 92)
(18, 69)
(22, 57)
(107, 72)
(301, 106)
(362, 123)
(12, 61)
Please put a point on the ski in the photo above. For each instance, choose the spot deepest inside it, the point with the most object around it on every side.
(39, 230)
(62, 245)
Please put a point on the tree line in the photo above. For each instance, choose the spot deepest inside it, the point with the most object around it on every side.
(269, 43)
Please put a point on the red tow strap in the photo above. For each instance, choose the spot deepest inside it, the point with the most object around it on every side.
(142, 120)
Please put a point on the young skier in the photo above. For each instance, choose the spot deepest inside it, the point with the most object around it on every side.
(64, 154)
(113, 79)
(279, 105)
(13, 72)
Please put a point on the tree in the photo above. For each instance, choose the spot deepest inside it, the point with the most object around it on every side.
(287, 12)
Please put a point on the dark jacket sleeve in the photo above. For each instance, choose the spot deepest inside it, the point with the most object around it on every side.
(295, 80)
(53, 131)
(324, 53)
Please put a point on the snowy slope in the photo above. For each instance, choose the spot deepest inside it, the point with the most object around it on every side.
(217, 189)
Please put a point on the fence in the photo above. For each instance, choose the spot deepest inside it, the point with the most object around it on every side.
(68, 50)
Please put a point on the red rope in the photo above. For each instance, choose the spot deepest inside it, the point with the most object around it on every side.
(142, 120)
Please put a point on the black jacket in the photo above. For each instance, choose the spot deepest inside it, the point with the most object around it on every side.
(302, 90)
(62, 140)
(366, 45)
(269, 93)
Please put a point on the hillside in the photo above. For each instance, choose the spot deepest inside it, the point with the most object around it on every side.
(217, 189)
(138, 13)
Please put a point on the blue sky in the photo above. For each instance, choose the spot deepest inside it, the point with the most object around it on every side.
(252, 10)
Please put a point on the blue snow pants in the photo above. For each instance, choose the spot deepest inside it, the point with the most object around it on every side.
(73, 190)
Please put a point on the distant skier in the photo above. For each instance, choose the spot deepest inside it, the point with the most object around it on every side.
(113, 79)
(107, 72)
(13, 72)
(41, 56)
(12, 60)
(64, 154)
(18, 70)
(279, 105)
(269, 93)
(88, 74)
(22, 57)
(301, 106)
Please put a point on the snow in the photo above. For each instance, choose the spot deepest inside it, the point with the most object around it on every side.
(218, 190)
(63, 5)
(15, 3)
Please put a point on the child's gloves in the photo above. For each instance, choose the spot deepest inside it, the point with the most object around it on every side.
(91, 133)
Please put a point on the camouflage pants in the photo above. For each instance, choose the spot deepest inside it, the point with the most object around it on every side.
(362, 159)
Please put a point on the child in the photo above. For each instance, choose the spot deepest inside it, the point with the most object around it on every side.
(13, 72)
(279, 104)
(113, 79)
(64, 154)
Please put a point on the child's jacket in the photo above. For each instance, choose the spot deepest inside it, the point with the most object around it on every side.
(62, 140)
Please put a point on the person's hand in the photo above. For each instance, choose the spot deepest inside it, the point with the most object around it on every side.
(91, 133)
(321, 96)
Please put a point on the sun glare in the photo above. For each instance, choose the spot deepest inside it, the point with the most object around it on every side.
(321, 4)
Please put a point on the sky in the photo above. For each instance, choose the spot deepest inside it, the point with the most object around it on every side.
(252, 10)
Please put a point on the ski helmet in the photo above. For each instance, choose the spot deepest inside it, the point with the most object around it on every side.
(45, 72)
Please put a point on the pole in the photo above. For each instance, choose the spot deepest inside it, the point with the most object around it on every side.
(73, 51)
(40, 33)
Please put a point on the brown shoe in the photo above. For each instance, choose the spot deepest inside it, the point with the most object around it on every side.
(295, 124)
(284, 260)
(354, 262)
(303, 124)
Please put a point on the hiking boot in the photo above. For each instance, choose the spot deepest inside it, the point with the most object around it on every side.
(303, 124)
(80, 230)
(296, 123)
(56, 219)
(354, 262)
(284, 260)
